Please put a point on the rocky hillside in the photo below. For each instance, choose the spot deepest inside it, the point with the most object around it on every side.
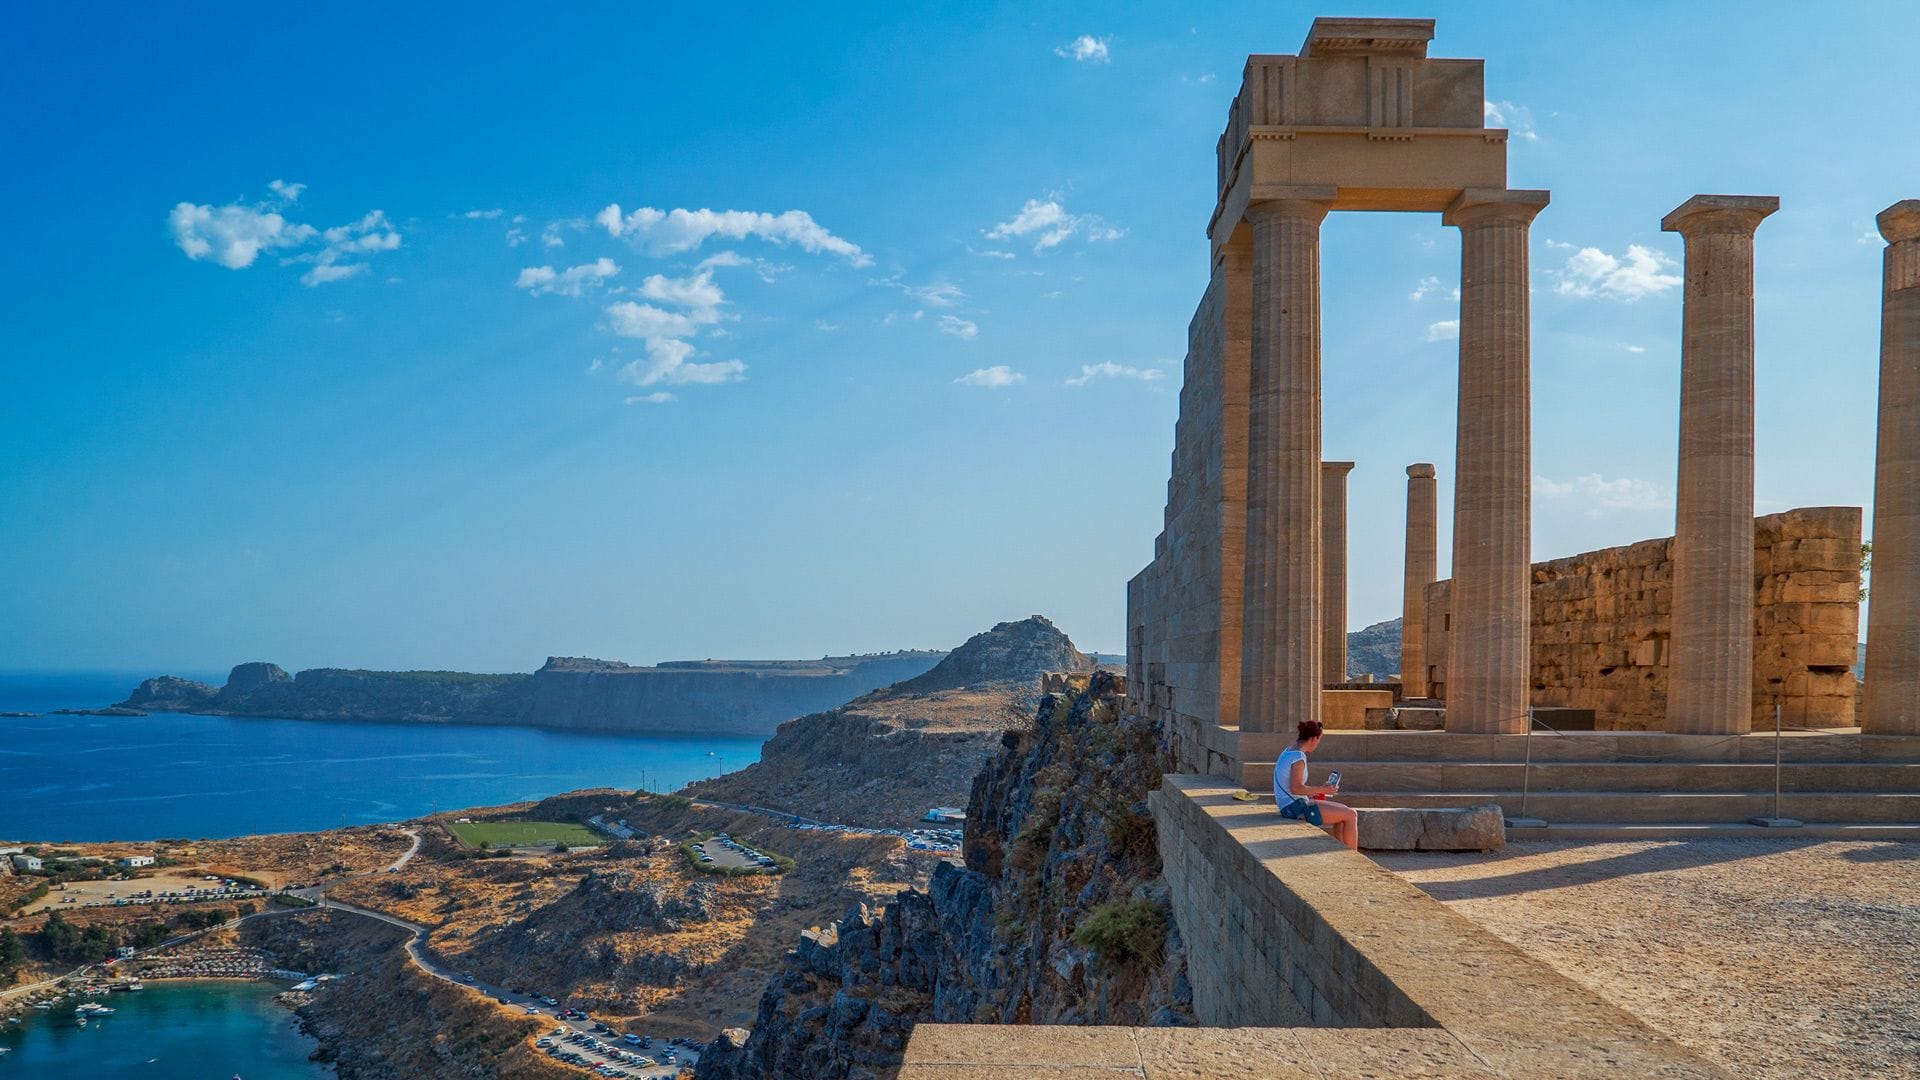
(885, 758)
(1058, 916)
(1375, 651)
(568, 693)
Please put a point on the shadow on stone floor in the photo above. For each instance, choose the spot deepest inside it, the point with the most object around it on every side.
(1665, 858)
(1898, 851)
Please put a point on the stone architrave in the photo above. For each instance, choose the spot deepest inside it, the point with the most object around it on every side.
(1710, 687)
(1422, 570)
(1892, 704)
(1280, 629)
(1333, 569)
(1488, 665)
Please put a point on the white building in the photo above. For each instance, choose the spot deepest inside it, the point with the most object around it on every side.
(947, 815)
(25, 863)
(132, 861)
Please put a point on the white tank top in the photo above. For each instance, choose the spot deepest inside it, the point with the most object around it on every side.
(1283, 774)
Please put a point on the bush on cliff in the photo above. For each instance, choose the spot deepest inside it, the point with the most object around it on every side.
(1124, 933)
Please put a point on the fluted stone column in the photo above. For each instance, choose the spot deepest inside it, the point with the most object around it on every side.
(1710, 685)
(1333, 570)
(1893, 615)
(1422, 570)
(1280, 627)
(1236, 346)
(1487, 665)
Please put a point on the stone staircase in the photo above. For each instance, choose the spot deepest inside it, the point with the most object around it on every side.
(1627, 778)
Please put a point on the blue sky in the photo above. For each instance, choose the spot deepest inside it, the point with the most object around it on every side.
(324, 345)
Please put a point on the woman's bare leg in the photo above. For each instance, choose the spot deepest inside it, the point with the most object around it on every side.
(1342, 822)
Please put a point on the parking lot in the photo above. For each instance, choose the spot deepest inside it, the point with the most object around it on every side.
(186, 887)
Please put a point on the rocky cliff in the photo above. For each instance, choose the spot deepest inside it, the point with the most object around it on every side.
(1058, 916)
(708, 697)
(885, 758)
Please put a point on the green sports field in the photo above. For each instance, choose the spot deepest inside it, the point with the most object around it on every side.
(524, 834)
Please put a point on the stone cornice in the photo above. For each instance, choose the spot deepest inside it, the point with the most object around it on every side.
(1900, 222)
(1720, 214)
(1481, 206)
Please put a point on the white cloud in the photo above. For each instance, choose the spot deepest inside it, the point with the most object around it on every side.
(484, 215)
(235, 235)
(572, 281)
(232, 235)
(938, 294)
(1635, 348)
(516, 236)
(1426, 287)
(1444, 330)
(553, 235)
(1049, 223)
(1871, 236)
(667, 232)
(1086, 49)
(958, 327)
(1517, 119)
(1599, 493)
(1641, 272)
(994, 378)
(658, 397)
(691, 303)
(1110, 370)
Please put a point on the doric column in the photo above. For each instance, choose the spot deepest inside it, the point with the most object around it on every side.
(1487, 663)
(1280, 628)
(1333, 570)
(1422, 570)
(1893, 614)
(1710, 685)
(1236, 265)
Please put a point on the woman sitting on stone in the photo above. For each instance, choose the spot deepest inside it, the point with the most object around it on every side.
(1295, 796)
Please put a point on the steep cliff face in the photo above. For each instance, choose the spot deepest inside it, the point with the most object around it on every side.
(1059, 915)
(885, 758)
(706, 697)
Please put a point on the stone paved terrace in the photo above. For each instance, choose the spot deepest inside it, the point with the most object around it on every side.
(983, 1051)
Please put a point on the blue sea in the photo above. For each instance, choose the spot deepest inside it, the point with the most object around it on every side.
(169, 1031)
(172, 775)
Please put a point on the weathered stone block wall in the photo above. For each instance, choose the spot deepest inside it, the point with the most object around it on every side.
(1602, 619)
(1185, 603)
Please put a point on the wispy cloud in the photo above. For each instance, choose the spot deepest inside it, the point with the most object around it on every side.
(677, 311)
(1429, 286)
(1049, 224)
(1110, 370)
(668, 232)
(1590, 272)
(573, 281)
(993, 378)
(1444, 330)
(1517, 119)
(484, 215)
(1086, 49)
(963, 329)
(1599, 493)
(658, 397)
(236, 234)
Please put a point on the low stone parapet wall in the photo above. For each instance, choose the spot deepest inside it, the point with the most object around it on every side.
(1287, 928)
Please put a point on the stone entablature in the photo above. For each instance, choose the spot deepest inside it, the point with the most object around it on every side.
(1602, 622)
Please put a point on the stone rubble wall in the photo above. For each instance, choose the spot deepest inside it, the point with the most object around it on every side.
(1602, 619)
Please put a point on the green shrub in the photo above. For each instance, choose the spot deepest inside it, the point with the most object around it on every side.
(1123, 933)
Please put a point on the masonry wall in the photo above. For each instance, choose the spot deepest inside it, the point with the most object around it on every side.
(1183, 610)
(1602, 619)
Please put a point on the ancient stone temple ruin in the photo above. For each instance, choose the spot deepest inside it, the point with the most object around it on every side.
(1237, 627)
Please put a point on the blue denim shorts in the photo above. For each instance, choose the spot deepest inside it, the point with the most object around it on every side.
(1301, 810)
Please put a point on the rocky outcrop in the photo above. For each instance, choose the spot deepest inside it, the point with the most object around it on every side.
(885, 758)
(705, 697)
(1375, 650)
(1010, 652)
(1059, 915)
(171, 693)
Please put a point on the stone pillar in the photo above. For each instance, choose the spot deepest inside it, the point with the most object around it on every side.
(1422, 570)
(1710, 685)
(1487, 664)
(1236, 265)
(1893, 610)
(1280, 627)
(1333, 570)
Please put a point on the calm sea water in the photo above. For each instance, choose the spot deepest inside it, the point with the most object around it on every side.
(169, 1031)
(202, 777)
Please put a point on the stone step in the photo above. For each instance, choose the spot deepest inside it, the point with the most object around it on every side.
(1616, 830)
(1442, 776)
(1646, 807)
(1622, 746)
